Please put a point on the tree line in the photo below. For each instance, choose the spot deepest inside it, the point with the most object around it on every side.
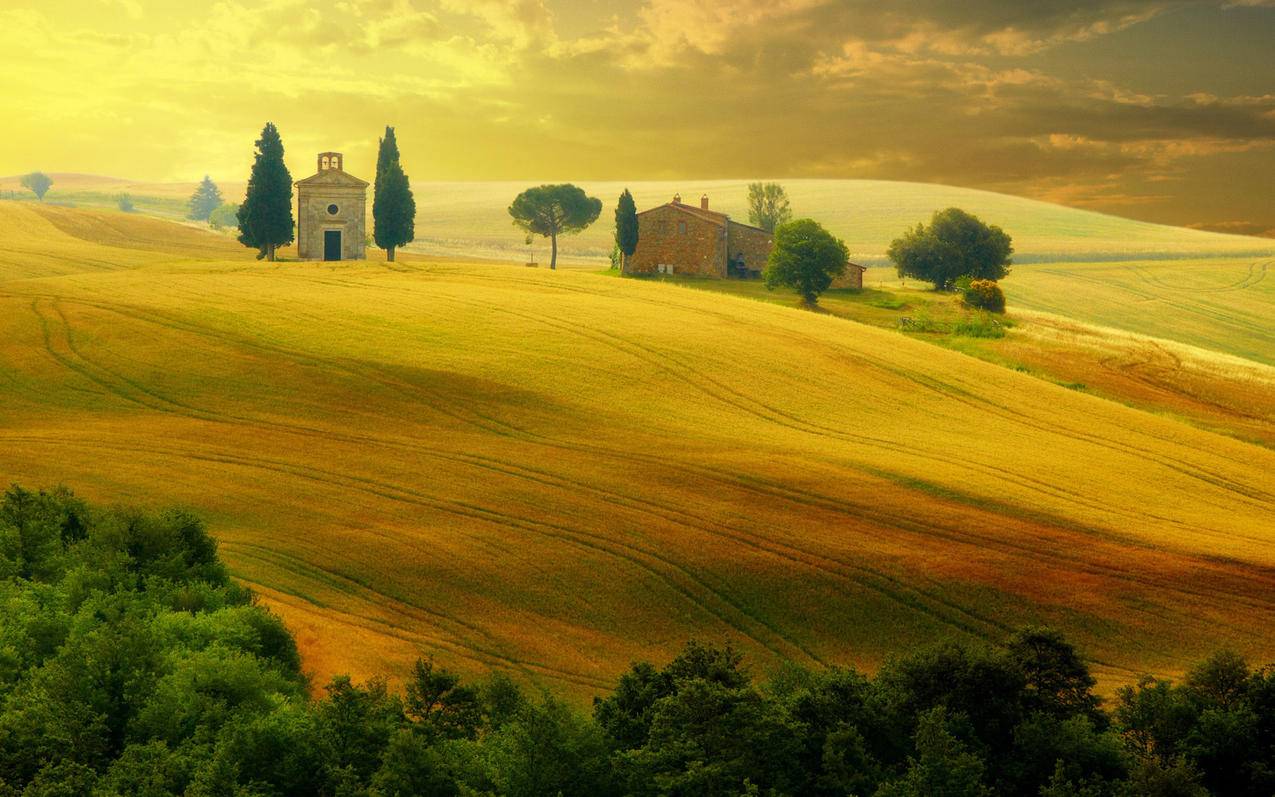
(132, 664)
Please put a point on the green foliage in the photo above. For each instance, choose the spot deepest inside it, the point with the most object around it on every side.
(942, 766)
(805, 258)
(768, 206)
(204, 201)
(553, 210)
(125, 203)
(626, 226)
(393, 206)
(439, 706)
(265, 217)
(979, 325)
(223, 216)
(955, 244)
(131, 664)
(37, 183)
(983, 295)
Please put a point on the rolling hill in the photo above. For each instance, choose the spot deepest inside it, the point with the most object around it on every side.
(1224, 304)
(469, 219)
(557, 473)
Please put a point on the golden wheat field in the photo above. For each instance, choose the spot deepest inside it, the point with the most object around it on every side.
(1224, 304)
(557, 473)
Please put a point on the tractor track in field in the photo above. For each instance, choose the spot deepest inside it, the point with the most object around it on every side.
(856, 511)
(743, 403)
(979, 402)
(1256, 274)
(1262, 498)
(488, 652)
(913, 604)
(639, 557)
(860, 513)
(85, 264)
(414, 393)
(1259, 328)
(627, 552)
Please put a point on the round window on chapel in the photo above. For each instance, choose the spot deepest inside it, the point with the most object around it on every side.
(333, 210)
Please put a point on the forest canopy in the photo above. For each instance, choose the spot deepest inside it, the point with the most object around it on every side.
(131, 663)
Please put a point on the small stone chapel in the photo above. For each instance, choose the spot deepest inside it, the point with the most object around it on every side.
(331, 213)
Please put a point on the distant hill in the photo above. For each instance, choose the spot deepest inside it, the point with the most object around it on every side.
(557, 474)
(469, 219)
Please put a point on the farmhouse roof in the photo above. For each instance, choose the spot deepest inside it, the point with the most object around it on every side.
(712, 216)
(856, 265)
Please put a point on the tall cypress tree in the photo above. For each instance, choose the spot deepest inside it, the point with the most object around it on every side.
(265, 217)
(393, 207)
(205, 200)
(626, 228)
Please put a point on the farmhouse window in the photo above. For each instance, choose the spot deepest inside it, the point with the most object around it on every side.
(681, 228)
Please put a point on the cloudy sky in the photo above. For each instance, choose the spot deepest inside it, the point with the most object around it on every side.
(1155, 109)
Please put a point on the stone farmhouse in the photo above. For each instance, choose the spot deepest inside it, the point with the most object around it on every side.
(681, 239)
(331, 213)
(676, 238)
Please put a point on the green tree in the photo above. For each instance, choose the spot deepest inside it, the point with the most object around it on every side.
(439, 705)
(553, 210)
(38, 183)
(125, 203)
(265, 217)
(626, 228)
(955, 244)
(393, 206)
(768, 206)
(548, 749)
(1057, 679)
(204, 201)
(226, 215)
(806, 258)
(942, 767)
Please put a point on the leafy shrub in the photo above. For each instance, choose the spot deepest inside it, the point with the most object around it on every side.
(984, 295)
(225, 217)
(125, 203)
(979, 325)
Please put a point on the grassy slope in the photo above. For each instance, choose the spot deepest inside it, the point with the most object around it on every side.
(557, 473)
(1206, 387)
(1226, 304)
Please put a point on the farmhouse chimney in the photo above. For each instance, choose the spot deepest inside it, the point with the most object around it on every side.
(703, 202)
(677, 199)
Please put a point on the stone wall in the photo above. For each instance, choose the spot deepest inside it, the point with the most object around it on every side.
(851, 278)
(681, 242)
(750, 243)
(313, 218)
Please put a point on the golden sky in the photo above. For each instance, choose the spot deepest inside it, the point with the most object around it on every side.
(1156, 109)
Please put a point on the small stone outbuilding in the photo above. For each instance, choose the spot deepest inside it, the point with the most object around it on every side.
(682, 239)
(331, 213)
(852, 277)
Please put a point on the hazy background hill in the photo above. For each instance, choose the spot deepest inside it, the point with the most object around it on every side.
(469, 219)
